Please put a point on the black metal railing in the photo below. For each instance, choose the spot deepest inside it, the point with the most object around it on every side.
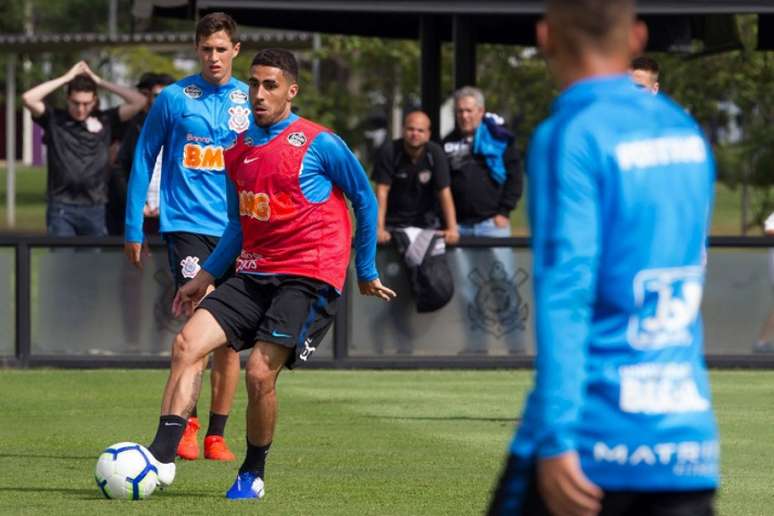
(24, 356)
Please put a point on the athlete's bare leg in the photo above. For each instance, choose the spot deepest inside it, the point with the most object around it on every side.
(224, 379)
(201, 335)
(263, 367)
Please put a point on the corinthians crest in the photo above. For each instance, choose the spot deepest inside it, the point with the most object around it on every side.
(498, 308)
(297, 139)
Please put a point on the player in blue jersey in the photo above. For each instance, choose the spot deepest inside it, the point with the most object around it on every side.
(620, 192)
(191, 121)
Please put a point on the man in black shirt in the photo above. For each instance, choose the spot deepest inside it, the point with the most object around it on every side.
(150, 85)
(412, 181)
(77, 141)
(486, 179)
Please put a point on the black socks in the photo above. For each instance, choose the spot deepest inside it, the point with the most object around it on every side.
(170, 431)
(217, 424)
(168, 434)
(255, 459)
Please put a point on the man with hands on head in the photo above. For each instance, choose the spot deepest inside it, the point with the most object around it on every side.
(78, 140)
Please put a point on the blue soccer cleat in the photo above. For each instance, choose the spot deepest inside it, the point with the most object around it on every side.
(247, 485)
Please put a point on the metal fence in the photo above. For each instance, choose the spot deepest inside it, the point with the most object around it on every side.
(78, 303)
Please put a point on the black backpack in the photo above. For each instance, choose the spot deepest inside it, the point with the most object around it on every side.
(431, 281)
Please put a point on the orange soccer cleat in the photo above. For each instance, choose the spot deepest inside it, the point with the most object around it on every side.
(188, 448)
(215, 448)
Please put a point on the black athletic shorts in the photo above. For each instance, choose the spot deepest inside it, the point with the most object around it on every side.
(187, 252)
(291, 311)
(517, 495)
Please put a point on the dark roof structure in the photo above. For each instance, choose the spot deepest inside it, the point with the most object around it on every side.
(497, 7)
(492, 21)
(674, 25)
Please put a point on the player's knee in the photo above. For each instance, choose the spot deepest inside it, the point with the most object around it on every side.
(259, 377)
(184, 350)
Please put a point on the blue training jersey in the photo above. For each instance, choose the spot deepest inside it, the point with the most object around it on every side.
(192, 120)
(327, 163)
(621, 188)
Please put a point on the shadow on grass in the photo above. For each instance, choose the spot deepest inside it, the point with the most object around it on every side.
(85, 493)
(451, 418)
(56, 457)
(94, 494)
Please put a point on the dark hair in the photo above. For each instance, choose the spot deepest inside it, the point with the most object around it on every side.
(149, 79)
(216, 22)
(645, 63)
(278, 58)
(596, 23)
(82, 82)
(164, 79)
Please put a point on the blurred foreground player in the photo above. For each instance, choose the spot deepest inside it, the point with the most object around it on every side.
(289, 219)
(192, 120)
(619, 421)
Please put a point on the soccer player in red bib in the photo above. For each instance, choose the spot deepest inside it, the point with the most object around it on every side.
(290, 233)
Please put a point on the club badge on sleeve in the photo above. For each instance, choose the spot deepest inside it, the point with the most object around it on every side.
(297, 139)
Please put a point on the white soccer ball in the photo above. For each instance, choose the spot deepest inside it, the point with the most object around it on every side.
(124, 471)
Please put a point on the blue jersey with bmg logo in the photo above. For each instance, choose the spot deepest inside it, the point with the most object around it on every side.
(193, 121)
(621, 188)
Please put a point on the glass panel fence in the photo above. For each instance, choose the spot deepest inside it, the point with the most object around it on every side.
(7, 301)
(92, 302)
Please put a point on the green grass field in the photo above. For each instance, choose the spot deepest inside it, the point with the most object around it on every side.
(30, 200)
(348, 443)
(31, 209)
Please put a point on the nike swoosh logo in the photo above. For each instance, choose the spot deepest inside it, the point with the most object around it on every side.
(167, 423)
(275, 333)
(249, 160)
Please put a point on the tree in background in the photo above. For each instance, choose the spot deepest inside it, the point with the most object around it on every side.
(362, 81)
(517, 86)
(713, 88)
(72, 16)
